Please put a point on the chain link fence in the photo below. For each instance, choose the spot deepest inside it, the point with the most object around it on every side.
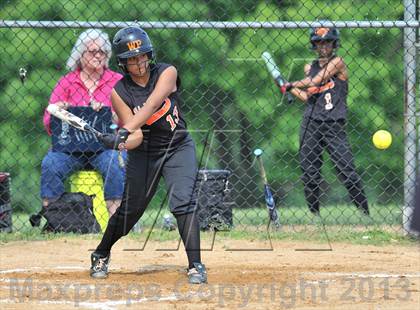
(230, 101)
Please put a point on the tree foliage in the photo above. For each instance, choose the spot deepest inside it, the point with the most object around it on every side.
(225, 86)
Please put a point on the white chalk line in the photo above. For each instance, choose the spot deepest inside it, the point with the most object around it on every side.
(41, 269)
(364, 275)
(354, 275)
(106, 305)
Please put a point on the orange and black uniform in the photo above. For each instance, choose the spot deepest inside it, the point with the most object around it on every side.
(323, 126)
(167, 150)
(166, 126)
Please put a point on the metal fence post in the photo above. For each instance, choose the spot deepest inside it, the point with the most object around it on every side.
(410, 113)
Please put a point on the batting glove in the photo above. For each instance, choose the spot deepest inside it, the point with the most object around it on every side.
(115, 141)
(286, 87)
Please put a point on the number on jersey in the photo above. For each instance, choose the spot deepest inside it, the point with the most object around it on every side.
(173, 119)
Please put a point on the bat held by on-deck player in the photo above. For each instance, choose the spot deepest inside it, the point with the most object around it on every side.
(275, 73)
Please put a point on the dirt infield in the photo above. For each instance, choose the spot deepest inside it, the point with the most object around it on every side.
(248, 275)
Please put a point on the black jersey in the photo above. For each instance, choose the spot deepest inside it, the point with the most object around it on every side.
(328, 101)
(166, 125)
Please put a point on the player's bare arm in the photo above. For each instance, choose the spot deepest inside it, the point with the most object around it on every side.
(121, 108)
(124, 115)
(335, 66)
(164, 87)
(300, 93)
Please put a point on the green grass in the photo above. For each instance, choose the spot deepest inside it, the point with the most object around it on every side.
(343, 223)
(368, 237)
(331, 215)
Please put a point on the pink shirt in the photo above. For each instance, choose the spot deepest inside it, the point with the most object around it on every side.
(71, 89)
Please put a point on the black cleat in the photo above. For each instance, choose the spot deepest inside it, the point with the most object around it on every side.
(99, 268)
(197, 274)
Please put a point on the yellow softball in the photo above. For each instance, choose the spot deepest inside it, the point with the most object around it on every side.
(382, 139)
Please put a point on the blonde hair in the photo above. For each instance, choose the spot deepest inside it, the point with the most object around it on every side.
(86, 37)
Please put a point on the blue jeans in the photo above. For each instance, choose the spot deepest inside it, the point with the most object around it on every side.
(57, 166)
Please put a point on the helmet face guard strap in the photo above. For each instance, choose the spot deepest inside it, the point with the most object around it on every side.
(131, 42)
(122, 62)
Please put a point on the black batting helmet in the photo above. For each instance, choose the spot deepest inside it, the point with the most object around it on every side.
(325, 34)
(130, 42)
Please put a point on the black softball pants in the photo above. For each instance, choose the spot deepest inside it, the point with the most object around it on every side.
(315, 136)
(144, 169)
